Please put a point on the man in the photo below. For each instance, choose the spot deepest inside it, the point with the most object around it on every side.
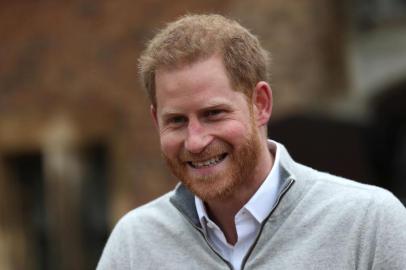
(242, 203)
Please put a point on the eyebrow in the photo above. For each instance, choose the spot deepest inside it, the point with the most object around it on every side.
(169, 115)
(214, 107)
(220, 102)
(217, 104)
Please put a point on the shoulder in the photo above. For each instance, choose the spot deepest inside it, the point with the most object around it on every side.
(350, 197)
(349, 189)
(136, 234)
(150, 214)
(368, 216)
(326, 186)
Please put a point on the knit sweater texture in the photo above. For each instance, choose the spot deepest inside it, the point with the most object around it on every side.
(319, 221)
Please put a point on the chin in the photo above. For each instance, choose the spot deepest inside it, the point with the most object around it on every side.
(213, 188)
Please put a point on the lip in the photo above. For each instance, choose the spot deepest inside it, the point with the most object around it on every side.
(208, 171)
(206, 163)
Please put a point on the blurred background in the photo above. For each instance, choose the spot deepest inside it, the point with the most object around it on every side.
(78, 149)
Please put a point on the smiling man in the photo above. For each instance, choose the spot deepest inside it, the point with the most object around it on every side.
(242, 202)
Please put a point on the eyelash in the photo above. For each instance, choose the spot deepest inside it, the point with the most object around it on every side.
(178, 120)
(214, 112)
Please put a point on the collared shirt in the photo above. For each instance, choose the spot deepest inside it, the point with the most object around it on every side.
(247, 220)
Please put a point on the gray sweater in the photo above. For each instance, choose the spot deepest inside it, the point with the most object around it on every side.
(319, 221)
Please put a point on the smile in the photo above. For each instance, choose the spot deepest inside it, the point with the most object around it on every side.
(207, 163)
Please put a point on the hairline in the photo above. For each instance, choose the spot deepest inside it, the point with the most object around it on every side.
(182, 64)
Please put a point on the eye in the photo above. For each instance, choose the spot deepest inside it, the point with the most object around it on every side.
(176, 120)
(214, 113)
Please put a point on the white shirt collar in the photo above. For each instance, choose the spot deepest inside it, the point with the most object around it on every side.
(262, 202)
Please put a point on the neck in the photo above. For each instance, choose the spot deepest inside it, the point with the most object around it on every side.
(222, 211)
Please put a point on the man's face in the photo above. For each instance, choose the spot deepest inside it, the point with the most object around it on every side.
(207, 132)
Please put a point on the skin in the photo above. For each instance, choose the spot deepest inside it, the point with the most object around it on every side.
(200, 117)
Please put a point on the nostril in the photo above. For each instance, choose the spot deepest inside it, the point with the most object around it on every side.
(196, 143)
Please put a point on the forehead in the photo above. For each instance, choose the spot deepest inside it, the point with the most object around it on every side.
(204, 81)
(200, 71)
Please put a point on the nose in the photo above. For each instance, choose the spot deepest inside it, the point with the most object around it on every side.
(197, 138)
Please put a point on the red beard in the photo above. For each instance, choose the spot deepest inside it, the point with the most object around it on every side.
(242, 161)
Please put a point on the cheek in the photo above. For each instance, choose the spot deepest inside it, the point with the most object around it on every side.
(234, 133)
(170, 144)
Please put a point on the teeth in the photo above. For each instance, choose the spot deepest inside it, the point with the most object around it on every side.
(207, 163)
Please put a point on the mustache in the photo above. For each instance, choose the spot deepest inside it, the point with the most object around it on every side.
(211, 150)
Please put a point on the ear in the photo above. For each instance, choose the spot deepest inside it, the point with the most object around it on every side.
(262, 101)
(154, 115)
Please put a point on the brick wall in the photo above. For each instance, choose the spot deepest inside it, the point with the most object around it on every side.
(68, 70)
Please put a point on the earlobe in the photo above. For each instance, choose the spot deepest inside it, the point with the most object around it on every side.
(262, 100)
